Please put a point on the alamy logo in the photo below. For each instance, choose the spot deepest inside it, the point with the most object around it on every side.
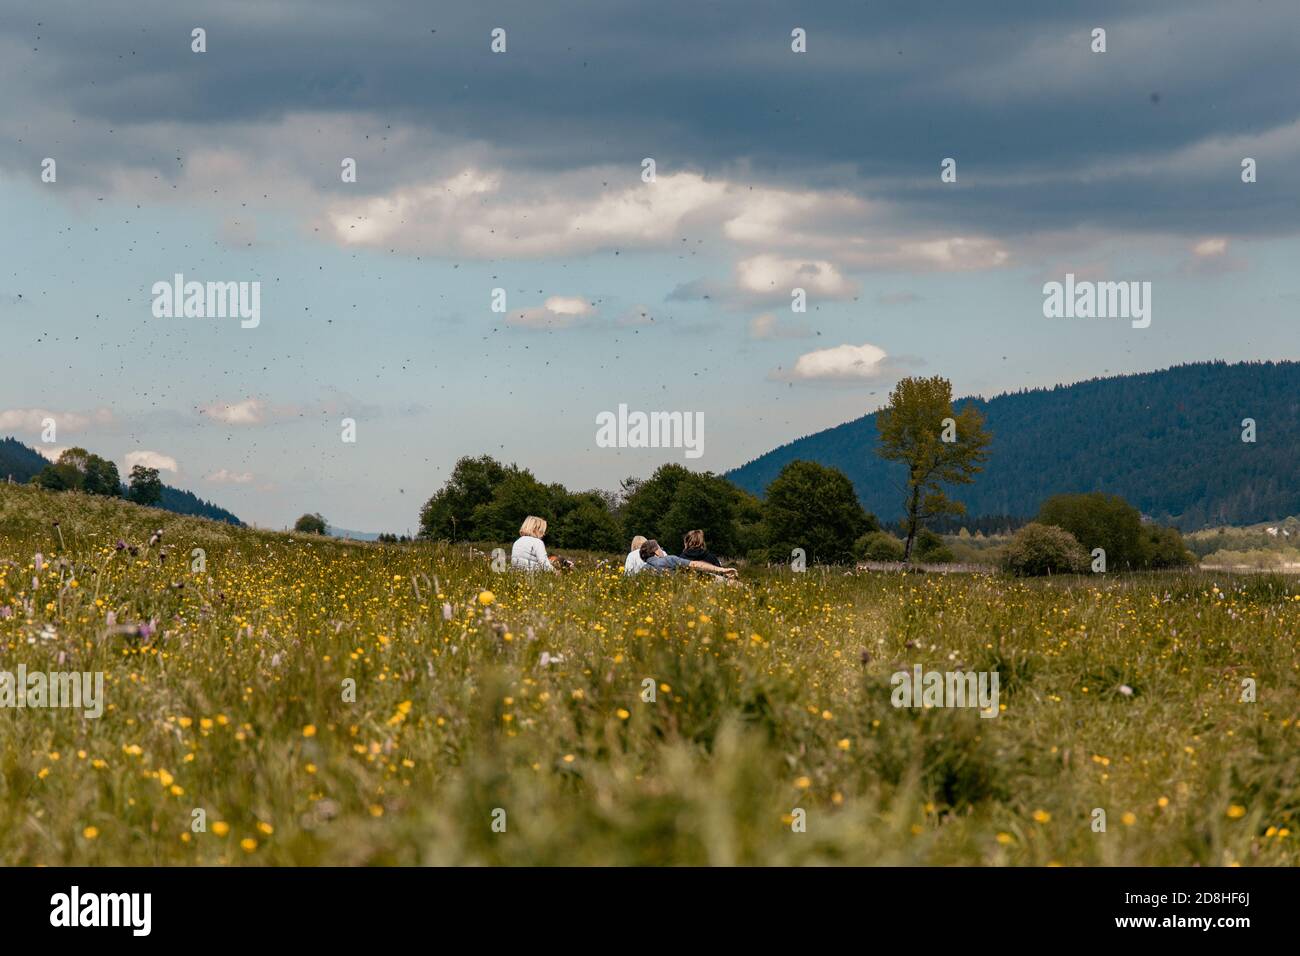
(651, 430)
(71, 689)
(1098, 300)
(946, 689)
(103, 909)
(208, 300)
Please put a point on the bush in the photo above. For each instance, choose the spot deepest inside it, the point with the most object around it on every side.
(1109, 522)
(1164, 548)
(929, 548)
(1044, 549)
(878, 546)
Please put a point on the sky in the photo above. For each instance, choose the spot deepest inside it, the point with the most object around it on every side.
(525, 171)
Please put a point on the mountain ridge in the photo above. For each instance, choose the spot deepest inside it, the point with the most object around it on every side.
(1169, 441)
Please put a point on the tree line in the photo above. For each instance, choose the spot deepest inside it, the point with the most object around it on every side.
(807, 506)
(79, 470)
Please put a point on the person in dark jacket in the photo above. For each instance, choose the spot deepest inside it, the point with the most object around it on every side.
(693, 549)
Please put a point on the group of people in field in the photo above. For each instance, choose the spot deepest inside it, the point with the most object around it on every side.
(529, 554)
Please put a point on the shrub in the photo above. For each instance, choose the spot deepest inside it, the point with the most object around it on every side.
(878, 546)
(1164, 548)
(929, 548)
(1044, 549)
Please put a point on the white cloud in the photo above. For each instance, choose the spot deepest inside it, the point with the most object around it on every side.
(497, 214)
(843, 363)
(51, 452)
(222, 476)
(557, 312)
(510, 214)
(953, 253)
(1215, 246)
(33, 419)
(151, 459)
(769, 276)
(250, 411)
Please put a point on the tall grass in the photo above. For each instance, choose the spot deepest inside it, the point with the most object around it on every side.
(770, 697)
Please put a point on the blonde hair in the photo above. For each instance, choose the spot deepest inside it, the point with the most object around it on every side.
(637, 542)
(693, 539)
(533, 527)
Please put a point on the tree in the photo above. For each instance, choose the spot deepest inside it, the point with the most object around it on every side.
(59, 477)
(311, 524)
(1163, 547)
(589, 524)
(448, 515)
(1099, 520)
(146, 486)
(813, 507)
(1109, 522)
(79, 470)
(675, 500)
(648, 500)
(514, 498)
(920, 429)
(101, 478)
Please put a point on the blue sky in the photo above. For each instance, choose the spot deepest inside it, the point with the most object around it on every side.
(522, 171)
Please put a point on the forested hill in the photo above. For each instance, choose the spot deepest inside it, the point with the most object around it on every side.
(23, 463)
(1170, 442)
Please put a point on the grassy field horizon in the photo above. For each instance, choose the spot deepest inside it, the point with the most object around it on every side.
(273, 698)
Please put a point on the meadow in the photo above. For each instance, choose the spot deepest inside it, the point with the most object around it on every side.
(312, 701)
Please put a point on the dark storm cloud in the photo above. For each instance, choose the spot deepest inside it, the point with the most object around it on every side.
(1047, 134)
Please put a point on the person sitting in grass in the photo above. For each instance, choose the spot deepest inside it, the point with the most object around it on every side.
(656, 559)
(633, 563)
(529, 553)
(693, 549)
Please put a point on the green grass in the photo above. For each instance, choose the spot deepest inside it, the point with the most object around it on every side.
(771, 695)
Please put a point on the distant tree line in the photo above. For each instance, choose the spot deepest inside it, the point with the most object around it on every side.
(78, 470)
(806, 507)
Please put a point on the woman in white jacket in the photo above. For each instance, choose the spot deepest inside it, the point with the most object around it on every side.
(529, 554)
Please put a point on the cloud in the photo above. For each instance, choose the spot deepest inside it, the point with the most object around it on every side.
(1210, 257)
(842, 363)
(557, 312)
(769, 279)
(768, 326)
(51, 452)
(773, 277)
(497, 213)
(221, 476)
(34, 419)
(287, 97)
(151, 459)
(250, 411)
